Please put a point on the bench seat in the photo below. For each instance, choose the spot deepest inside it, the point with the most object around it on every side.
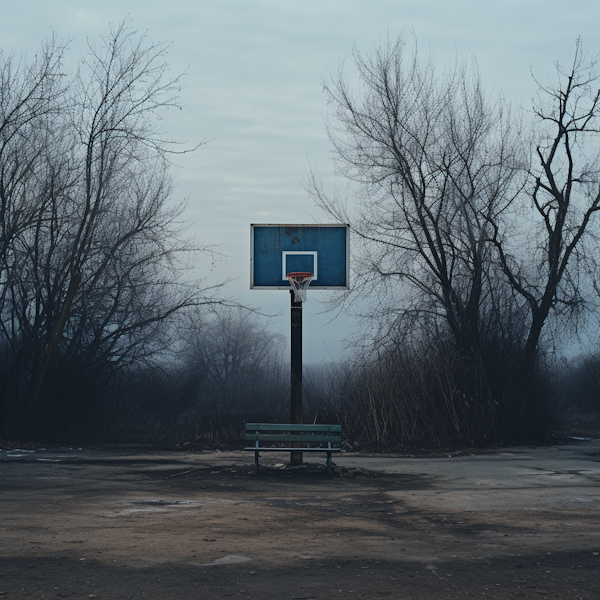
(328, 438)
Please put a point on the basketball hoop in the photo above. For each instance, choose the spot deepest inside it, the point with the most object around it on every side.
(300, 282)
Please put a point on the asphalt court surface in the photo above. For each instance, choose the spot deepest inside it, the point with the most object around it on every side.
(125, 523)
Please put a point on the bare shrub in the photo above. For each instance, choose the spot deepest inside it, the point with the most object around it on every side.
(427, 394)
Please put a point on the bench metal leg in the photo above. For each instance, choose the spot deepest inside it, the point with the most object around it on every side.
(329, 464)
(256, 458)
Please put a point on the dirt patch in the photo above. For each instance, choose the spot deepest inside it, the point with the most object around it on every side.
(97, 524)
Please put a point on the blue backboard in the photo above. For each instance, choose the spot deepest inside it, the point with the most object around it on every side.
(276, 250)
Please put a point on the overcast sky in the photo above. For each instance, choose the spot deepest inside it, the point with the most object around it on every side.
(253, 88)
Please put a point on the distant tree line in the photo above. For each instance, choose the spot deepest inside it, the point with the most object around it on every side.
(228, 370)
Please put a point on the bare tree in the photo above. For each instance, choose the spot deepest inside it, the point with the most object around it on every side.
(30, 97)
(547, 267)
(94, 270)
(243, 371)
(466, 223)
(433, 160)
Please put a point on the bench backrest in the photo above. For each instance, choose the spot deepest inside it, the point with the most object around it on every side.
(270, 432)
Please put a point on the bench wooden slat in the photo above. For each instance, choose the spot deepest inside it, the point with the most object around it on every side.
(279, 437)
(271, 449)
(291, 428)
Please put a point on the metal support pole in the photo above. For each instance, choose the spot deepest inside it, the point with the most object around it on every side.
(296, 416)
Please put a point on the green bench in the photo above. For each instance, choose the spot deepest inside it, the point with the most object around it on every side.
(328, 438)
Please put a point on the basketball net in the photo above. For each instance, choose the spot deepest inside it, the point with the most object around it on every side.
(300, 282)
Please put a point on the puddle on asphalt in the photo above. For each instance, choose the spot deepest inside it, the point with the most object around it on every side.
(160, 505)
(582, 500)
(230, 559)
